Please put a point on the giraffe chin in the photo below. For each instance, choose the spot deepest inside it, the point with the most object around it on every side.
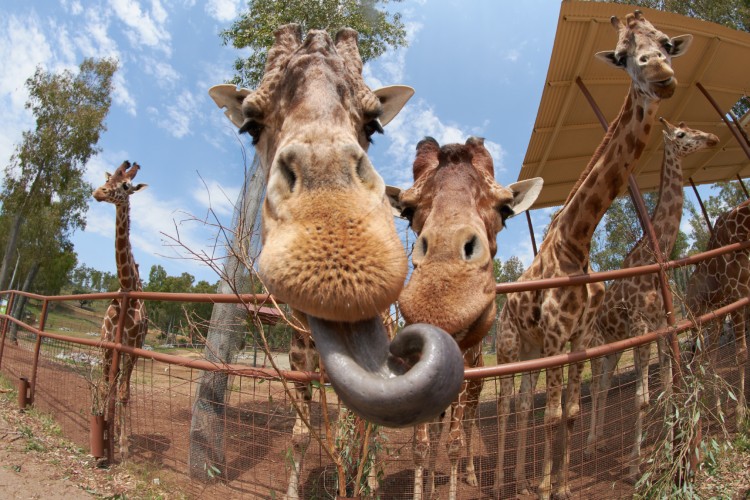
(410, 381)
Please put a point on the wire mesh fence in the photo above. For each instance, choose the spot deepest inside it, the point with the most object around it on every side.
(262, 448)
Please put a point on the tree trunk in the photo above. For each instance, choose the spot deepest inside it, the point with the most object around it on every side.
(226, 335)
(10, 250)
(20, 302)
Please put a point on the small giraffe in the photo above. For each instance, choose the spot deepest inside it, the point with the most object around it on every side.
(117, 190)
(722, 280)
(542, 323)
(457, 209)
(633, 306)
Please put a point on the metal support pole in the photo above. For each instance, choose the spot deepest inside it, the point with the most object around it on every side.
(531, 232)
(592, 103)
(37, 349)
(742, 185)
(703, 208)
(741, 140)
(23, 393)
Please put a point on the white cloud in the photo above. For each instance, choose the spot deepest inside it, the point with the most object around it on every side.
(144, 28)
(23, 46)
(512, 55)
(418, 120)
(223, 10)
(176, 118)
(213, 196)
(166, 76)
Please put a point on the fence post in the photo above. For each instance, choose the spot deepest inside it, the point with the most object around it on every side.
(8, 308)
(37, 349)
(23, 393)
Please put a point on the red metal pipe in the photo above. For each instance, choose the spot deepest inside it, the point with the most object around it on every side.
(742, 185)
(531, 232)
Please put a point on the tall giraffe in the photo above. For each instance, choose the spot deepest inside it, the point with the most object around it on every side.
(722, 280)
(117, 190)
(634, 306)
(457, 209)
(541, 323)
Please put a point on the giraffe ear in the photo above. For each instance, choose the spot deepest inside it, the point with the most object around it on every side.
(139, 187)
(107, 175)
(525, 194)
(392, 99)
(609, 57)
(680, 45)
(230, 97)
(393, 194)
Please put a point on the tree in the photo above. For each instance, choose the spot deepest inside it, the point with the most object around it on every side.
(378, 29)
(728, 195)
(508, 272)
(47, 166)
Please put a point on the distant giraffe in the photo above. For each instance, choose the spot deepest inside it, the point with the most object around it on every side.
(722, 280)
(543, 323)
(117, 190)
(634, 306)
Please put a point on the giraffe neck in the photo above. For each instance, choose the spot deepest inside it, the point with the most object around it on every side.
(668, 211)
(127, 272)
(604, 177)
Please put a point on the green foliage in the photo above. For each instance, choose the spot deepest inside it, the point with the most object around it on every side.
(174, 317)
(729, 195)
(734, 14)
(378, 29)
(44, 196)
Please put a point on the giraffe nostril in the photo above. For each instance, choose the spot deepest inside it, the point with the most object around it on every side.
(470, 247)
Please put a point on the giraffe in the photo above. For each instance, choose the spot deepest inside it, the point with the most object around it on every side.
(330, 247)
(117, 190)
(541, 323)
(722, 280)
(634, 306)
(457, 209)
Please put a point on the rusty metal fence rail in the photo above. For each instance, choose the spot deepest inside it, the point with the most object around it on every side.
(259, 417)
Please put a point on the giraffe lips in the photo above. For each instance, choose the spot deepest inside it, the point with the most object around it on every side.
(665, 83)
(408, 382)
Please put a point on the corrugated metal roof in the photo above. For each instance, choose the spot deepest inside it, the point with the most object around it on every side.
(567, 131)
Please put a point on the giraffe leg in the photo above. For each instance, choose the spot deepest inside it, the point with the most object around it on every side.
(526, 399)
(552, 419)
(300, 440)
(470, 425)
(642, 356)
(436, 430)
(572, 410)
(420, 452)
(128, 363)
(503, 412)
(740, 340)
(665, 374)
(456, 442)
(601, 381)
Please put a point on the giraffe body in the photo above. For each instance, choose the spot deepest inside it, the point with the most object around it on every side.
(722, 280)
(117, 190)
(457, 209)
(634, 306)
(542, 323)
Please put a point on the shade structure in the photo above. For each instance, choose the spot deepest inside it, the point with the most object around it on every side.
(567, 131)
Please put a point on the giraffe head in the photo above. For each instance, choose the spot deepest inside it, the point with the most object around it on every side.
(330, 247)
(118, 187)
(457, 209)
(646, 54)
(683, 140)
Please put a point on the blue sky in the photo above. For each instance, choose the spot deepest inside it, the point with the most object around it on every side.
(478, 69)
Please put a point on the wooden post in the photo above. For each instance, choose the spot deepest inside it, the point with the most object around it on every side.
(37, 350)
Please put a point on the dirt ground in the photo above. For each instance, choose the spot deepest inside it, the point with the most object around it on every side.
(37, 462)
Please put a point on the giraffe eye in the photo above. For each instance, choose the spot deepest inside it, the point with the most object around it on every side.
(680, 134)
(372, 127)
(125, 186)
